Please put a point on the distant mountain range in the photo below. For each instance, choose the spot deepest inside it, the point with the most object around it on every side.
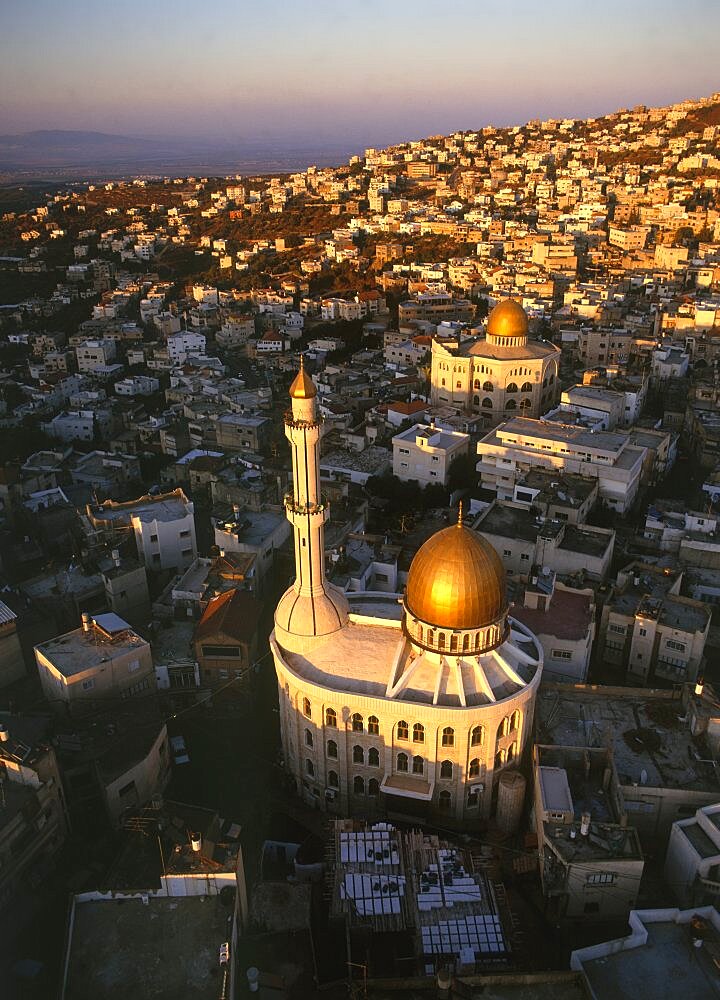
(51, 153)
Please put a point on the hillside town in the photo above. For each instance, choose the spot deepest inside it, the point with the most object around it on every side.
(360, 570)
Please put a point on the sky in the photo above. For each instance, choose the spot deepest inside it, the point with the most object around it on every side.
(341, 72)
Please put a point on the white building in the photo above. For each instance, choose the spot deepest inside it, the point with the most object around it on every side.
(180, 345)
(424, 453)
(95, 354)
(164, 527)
(137, 385)
(509, 451)
(692, 862)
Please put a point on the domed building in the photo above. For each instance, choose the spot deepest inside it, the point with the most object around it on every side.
(411, 704)
(498, 376)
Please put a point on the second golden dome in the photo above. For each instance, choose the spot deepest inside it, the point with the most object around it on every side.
(508, 319)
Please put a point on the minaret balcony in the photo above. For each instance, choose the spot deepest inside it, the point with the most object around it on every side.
(292, 421)
(297, 507)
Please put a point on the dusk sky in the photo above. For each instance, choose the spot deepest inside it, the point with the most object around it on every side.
(369, 72)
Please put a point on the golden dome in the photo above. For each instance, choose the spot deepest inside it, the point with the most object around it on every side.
(456, 581)
(508, 319)
(302, 386)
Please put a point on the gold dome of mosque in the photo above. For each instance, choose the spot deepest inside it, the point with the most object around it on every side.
(302, 386)
(456, 581)
(508, 319)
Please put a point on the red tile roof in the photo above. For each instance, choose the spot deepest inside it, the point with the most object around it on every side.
(234, 614)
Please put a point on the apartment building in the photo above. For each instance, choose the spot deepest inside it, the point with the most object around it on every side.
(164, 527)
(424, 453)
(692, 862)
(184, 343)
(103, 659)
(33, 821)
(649, 630)
(507, 453)
(240, 432)
(591, 861)
(225, 641)
(93, 355)
(526, 541)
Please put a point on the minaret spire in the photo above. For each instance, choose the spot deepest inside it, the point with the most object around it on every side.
(311, 608)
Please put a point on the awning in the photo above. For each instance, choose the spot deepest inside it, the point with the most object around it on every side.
(407, 786)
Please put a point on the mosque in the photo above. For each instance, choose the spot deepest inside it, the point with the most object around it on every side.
(501, 375)
(407, 704)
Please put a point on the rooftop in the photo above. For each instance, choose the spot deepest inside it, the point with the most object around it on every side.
(651, 746)
(78, 651)
(159, 948)
(164, 507)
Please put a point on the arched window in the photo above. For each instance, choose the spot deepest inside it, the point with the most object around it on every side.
(418, 765)
(402, 730)
(357, 723)
(511, 387)
(515, 720)
(442, 382)
(476, 401)
(488, 387)
(487, 403)
(476, 383)
(333, 779)
(504, 727)
(511, 404)
(430, 636)
(358, 785)
(307, 707)
(358, 755)
(331, 717)
(402, 762)
(373, 725)
(551, 378)
(525, 404)
(466, 642)
(476, 736)
(309, 767)
(474, 769)
(499, 758)
(448, 737)
(511, 752)
(373, 787)
(420, 633)
(308, 738)
(374, 757)
(332, 748)
(444, 800)
(418, 733)
(453, 643)
(441, 640)
(526, 387)
(446, 769)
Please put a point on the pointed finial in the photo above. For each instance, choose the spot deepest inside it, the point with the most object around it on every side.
(460, 515)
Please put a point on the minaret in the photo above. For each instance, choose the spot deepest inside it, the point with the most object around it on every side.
(311, 609)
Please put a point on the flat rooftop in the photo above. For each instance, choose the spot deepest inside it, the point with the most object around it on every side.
(165, 949)
(527, 427)
(665, 967)
(166, 507)
(645, 734)
(77, 651)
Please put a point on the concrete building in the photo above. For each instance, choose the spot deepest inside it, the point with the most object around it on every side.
(591, 861)
(649, 630)
(389, 708)
(103, 660)
(241, 432)
(498, 375)
(507, 453)
(126, 589)
(604, 407)
(666, 951)
(12, 663)
(94, 355)
(226, 642)
(556, 495)
(184, 343)
(254, 533)
(663, 777)
(563, 619)
(424, 453)
(527, 542)
(692, 862)
(33, 822)
(164, 527)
